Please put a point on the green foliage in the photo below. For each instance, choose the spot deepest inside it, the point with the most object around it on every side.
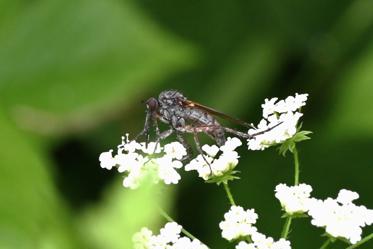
(230, 175)
(31, 213)
(67, 64)
(289, 144)
(79, 69)
(353, 112)
(122, 213)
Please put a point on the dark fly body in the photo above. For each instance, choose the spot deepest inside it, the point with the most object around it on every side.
(185, 116)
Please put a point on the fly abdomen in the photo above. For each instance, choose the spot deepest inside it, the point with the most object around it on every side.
(198, 116)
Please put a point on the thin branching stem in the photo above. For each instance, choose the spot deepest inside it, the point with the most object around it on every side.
(296, 166)
(287, 224)
(365, 239)
(286, 227)
(169, 219)
(229, 194)
(326, 243)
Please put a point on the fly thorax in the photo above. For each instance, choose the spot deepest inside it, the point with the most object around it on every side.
(170, 98)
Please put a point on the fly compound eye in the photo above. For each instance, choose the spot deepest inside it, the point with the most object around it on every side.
(152, 104)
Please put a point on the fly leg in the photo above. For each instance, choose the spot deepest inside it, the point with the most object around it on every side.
(182, 140)
(237, 133)
(145, 131)
(161, 136)
(198, 146)
(247, 136)
(264, 131)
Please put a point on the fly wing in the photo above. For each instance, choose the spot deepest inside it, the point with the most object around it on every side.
(189, 103)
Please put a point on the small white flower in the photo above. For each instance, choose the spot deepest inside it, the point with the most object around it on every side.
(279, 119)
(166, 169)
(175, 150)
(210, 150)
(346, 196)
(269, 107)
(138, 160)
(340, 217)
(141, 239)
(186, 243)
(231, 144)
(294, 199)
(238, 223)
(226, 161)
(245, 245)
(260, 241)
(150, 148)
(168, 238)
(171, 232)
(130, 146)
(107, 160)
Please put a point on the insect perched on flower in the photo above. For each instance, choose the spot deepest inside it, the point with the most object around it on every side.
(185, 116)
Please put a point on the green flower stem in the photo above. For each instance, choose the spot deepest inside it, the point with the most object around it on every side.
(296, 166)
(326, 243)
(229, 194)
(168, 218)
(286, 227)
(367, 238)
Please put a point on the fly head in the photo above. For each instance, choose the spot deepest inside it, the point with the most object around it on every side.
(152, 105)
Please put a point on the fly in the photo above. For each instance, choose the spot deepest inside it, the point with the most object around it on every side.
(185, 116)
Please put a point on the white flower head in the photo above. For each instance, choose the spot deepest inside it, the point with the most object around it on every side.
(175, 150)
(340, 217)
(238, 223)
(186, 243)
(168, 238)
(346, 196)
(294, 199)
(210, 164)
(279, 123)
(142, 239)
(138, 160)
(245, 245)
(260, 241)
(107, 160)
(171, 232)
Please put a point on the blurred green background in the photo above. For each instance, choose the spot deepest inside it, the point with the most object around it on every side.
(72, 77)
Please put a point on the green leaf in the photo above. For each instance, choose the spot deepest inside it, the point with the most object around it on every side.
(230, 175)
(66, 65)
(122, 213)
(289, 144)
(353, 113)
(31, 215)
(301, 136)
(251, 69)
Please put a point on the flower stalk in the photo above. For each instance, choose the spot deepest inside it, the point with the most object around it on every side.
(286, 227)
(169, 219)
(229, 194)
(326, 243)
(296, 166)
(364, 240)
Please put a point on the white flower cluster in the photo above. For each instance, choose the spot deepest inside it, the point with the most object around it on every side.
(340, 217)
(138, 160)
(226, 161)
(294, 199)
(168, 238)
(283, 116)
(239, 224)
(260, 241)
